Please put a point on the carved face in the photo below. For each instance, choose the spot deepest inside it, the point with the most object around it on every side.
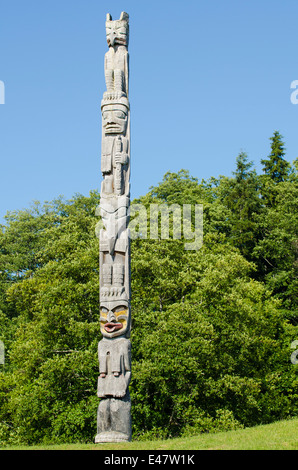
(117, 32)
(114, 118)
(114, 318)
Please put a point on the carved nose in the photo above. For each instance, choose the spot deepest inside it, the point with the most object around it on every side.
(110, 118)
(111, 317)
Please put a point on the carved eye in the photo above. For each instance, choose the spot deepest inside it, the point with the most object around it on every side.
(103, 310)
(121, 309)
(120, 114)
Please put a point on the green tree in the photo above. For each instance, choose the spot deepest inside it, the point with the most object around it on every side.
(241, 195)
(275, 166)
(203, 363)
(276, 169)
(53, 352)
(211, 345)
(277, 251)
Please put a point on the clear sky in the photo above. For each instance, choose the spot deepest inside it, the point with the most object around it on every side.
(208, 79)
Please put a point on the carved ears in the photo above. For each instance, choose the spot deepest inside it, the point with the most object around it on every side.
(124, 16)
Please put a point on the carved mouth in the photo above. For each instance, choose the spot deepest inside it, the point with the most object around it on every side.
(112, 129)
(111, 327)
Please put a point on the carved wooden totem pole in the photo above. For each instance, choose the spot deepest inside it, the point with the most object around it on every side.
(114, 350)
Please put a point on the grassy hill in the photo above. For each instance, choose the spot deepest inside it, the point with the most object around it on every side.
(282, 435)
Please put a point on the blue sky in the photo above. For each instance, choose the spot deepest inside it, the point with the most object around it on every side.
(208, 79)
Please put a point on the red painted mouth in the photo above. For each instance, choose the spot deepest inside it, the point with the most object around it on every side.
(111, 327)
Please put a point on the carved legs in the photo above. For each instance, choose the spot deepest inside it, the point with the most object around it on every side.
(115, 80)
(113, 420)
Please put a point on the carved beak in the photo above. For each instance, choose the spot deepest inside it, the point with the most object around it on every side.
(112, 38)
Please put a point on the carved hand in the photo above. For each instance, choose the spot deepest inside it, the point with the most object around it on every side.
(121, 158)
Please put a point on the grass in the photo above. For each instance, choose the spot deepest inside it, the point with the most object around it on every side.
(281, 435)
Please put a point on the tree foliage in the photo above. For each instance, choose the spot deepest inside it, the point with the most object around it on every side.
(211, 329)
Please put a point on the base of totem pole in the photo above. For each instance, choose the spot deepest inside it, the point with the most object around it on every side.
(111, 436)
(114, 420)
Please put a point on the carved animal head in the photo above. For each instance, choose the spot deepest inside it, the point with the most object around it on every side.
(117, 31)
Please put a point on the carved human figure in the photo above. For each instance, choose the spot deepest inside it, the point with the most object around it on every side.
(113, 416)
(114, 353)
(114, 368)
(115, 148)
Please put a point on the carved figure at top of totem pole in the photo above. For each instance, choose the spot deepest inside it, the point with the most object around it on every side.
(116, 59)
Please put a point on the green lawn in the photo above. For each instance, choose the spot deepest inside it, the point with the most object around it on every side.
(282, 435)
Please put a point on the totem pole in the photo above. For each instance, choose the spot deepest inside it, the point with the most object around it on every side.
(114, 350)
